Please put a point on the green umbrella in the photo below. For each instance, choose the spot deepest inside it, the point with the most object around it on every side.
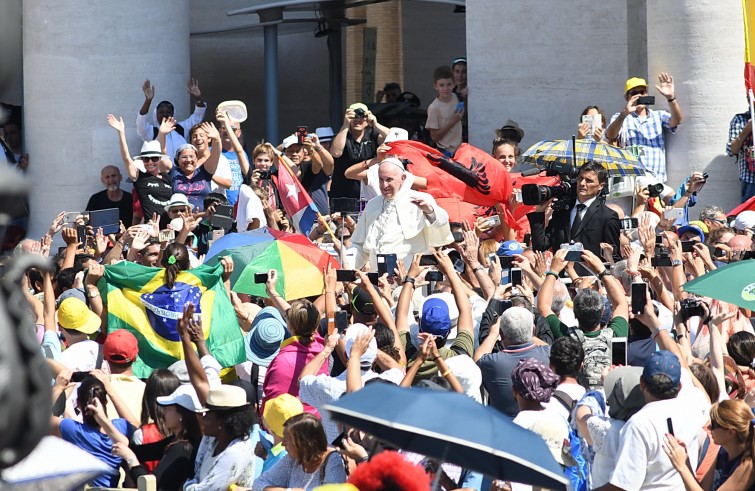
(733, 283)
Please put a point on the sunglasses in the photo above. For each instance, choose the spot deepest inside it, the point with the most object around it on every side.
(713, 425)
(722, 221)
(177, 210)
(633, 93)
(151, 159)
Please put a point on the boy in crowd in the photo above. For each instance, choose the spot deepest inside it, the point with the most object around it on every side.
(445, 113)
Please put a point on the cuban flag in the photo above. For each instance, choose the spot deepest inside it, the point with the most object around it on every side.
(295, 200)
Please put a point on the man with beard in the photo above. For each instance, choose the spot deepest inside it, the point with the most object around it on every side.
(113, 196)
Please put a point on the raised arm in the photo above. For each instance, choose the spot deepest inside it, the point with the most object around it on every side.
(142, 126)
(211, 164)
(117, 124)
(166, 126)
(405, 298)
(238, 149)
(197, 374)
(383, 312)
(666, 88)
(279, 302)
(339, 140)
(462, 301)
(614, 290)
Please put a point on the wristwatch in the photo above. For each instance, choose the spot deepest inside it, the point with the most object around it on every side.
(676, 262)
(408, 279)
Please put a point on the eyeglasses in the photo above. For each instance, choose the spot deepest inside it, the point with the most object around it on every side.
(151, 159)
(722, 221)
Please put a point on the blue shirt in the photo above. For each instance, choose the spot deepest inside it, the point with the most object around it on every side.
(98, 444)
(647, 137)
(195, 188)
(237, 177)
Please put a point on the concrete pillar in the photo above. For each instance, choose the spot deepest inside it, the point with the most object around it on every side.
(83, 60)
(541, 63)
(701, 44)
(10, 52)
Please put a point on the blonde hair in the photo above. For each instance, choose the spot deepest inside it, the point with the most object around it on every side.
(487, 247)
(736, 415)
(264, 148)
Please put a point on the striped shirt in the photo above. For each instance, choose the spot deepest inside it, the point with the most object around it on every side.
(647, 137)
(736, 126)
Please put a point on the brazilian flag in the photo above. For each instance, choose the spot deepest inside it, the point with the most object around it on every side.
(137, 299)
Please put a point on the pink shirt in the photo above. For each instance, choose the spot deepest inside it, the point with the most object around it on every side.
(283, 373)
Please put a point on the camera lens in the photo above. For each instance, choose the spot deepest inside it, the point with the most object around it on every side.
(655, 190)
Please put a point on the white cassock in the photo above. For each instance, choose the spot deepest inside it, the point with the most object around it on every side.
(397, 226)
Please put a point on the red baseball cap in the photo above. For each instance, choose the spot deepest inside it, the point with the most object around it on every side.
(120, 347)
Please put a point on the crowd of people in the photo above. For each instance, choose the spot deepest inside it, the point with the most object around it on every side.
(577, 327)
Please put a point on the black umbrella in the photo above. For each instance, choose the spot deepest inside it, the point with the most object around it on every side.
(451, 427)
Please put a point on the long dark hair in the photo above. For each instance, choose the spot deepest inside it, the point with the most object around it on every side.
(191, 431)
(178, 251)
(90, 389)
(308, 436)
(162, 382)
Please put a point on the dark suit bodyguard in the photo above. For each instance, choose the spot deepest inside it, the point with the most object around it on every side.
(585, 219)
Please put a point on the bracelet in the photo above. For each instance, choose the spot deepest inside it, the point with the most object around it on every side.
(409, 279)
(318, 149)
(672, 99)
(604, 273)
(433, 359)
(479, 268)
(364, 459)
(445, 373)
(551, 273)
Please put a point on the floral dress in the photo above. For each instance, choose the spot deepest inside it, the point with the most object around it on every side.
(234, 465)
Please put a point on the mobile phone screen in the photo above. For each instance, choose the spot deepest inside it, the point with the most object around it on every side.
(639, 297)
(346, 275)
(516, 276)
(619, 351)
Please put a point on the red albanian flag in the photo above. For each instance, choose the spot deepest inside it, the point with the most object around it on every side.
(467, 184)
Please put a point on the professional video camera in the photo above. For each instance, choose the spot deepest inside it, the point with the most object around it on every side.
(534, 194)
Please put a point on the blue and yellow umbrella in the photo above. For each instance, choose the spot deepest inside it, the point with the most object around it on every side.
(618, 162)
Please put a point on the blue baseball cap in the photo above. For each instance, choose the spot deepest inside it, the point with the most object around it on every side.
(510, 248)
(264, 340)
(436, 319)
(665, 363)
(691, 228)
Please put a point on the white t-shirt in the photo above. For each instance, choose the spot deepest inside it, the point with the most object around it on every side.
(641, 462)
(575, 391)
(249, 208)
(224, 172)
(81, 356)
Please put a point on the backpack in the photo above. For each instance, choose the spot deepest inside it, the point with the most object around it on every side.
(578, 472)
(597, 356)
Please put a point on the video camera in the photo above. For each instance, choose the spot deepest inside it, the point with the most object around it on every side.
(534, 194)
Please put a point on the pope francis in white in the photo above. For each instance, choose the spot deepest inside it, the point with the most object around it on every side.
(400, 221)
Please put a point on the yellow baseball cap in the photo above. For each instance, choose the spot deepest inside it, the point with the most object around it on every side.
(358, 105)
(74, 315)
(279, 410)
(634, 82)
(700, 225)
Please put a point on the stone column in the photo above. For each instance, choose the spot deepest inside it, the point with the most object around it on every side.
(83, 60)
(701, 44)
(541, 63)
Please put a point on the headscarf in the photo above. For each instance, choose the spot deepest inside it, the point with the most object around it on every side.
(624, 397)
(533, 380)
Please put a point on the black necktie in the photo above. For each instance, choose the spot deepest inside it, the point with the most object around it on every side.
(577, 220)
